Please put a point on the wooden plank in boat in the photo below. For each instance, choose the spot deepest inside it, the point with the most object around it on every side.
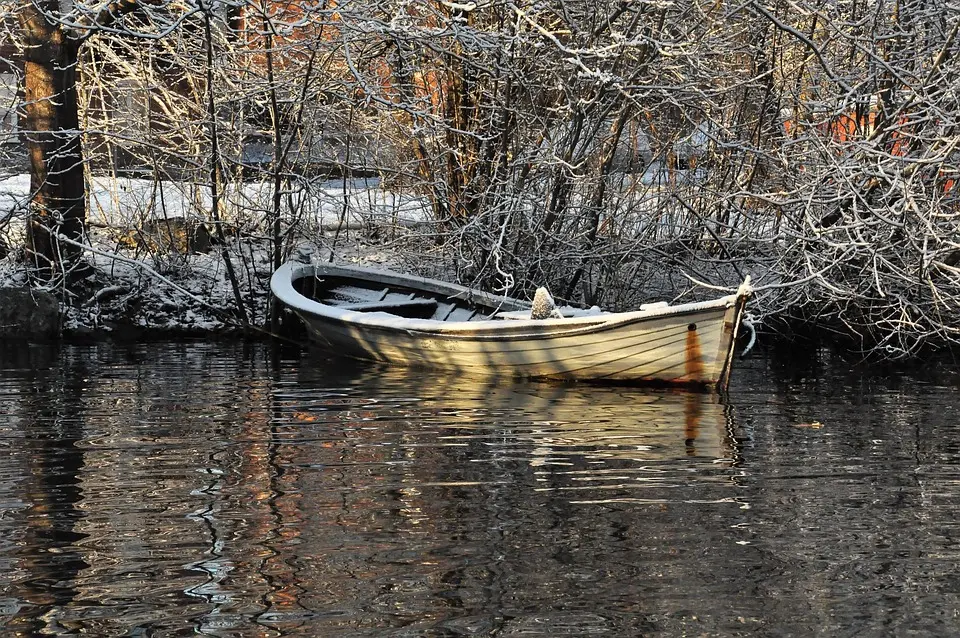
(390, 306)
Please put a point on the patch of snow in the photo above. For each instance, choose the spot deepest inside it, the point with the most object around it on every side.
(176, 293)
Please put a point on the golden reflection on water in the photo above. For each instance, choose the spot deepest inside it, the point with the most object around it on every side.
(599, 421)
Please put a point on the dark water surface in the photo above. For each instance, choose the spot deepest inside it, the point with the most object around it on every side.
(177, 489)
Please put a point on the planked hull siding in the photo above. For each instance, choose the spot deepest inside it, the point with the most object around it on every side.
(654, 350)
(688, 344)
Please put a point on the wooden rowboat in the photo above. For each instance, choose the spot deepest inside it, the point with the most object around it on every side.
(414, 321)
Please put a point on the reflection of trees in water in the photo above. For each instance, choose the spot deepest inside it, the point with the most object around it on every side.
(49, 417)
(203, 490)
(149, 468)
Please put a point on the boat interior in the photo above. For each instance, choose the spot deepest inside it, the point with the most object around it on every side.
(369, 296)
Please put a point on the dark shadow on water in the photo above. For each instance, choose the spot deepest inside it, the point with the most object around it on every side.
(53, 394)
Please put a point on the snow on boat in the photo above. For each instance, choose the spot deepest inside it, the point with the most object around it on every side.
(418, 322)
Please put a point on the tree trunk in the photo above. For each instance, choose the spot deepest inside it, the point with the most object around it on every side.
(53, 138)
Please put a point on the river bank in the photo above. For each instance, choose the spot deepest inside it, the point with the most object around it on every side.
(157, 264)
(189, 296)
(154, 266)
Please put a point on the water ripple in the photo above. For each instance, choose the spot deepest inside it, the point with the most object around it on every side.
(179, 489)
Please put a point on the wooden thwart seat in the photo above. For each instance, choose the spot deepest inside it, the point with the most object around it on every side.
(392, 306)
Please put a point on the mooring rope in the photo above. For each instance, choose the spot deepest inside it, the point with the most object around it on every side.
(749, 321)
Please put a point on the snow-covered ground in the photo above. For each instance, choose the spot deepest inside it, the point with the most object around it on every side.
(118, 201)
(153, 289)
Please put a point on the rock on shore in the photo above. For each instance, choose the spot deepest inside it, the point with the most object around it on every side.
(28, 314)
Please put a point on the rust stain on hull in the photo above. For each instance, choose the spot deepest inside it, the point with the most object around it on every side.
(694, 356)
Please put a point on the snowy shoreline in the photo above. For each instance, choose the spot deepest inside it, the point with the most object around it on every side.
(148, 286)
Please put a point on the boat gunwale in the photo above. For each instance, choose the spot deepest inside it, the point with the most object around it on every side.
(281, 283)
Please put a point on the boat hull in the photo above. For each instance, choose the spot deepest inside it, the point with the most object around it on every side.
(689, 344)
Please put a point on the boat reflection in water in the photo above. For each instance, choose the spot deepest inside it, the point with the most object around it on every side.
(439, 501)
(608, 423)
(545, 423)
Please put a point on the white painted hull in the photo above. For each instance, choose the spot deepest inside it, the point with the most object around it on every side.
(684, 344)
